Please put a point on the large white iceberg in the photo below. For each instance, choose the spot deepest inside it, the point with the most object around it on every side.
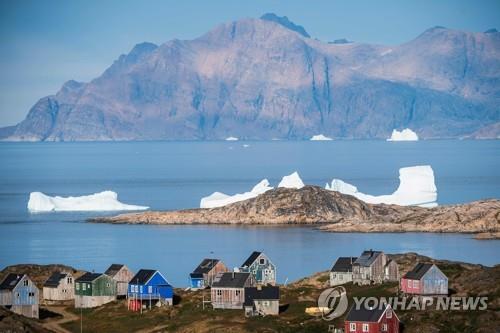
(320, 137)
(218, 199)
(291, 181)
(232, 138)
(103, 201)
(405, 135)
(416, 188)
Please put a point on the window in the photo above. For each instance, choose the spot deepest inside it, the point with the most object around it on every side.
(107, 284)
(77, 286)
(140, 289)
(262, 261)
(25, 283)
(238, 292)
(388, 314)
(150, 289)
(415, 284)
(32, 294)
(69, 280)
(219, 292)
(409, 283)
(384, 327)
(366, 328)
(84, 286)
(334, 276)
(18, 295)
(352, 327)
(341, 277)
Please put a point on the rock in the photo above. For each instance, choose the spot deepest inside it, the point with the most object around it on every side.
(331, 211)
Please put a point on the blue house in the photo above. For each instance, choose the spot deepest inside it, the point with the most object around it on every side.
(203, 275)
(149, 286)
(19, 294)
(261, 267)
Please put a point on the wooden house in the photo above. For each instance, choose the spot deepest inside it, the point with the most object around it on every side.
(341, 271)
(391, 271)
(425, 279)
(262, 269)
(228, 289)
(122, 276)
(204, 274)
(374, 267)
(149, 288)
(19, 294)
(262, 301)
(60, 286)
(379, 320)
(94, 289)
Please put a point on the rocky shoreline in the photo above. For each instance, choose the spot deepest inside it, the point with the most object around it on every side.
(334, 212)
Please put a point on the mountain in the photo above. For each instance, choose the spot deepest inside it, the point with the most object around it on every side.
(264, 78)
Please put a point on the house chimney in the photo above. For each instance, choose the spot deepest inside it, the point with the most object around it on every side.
(233, 274)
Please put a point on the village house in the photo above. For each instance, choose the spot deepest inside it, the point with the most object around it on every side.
(262, 301)
(19, 294)
(262, 269)
(374, 267)
(60, 286)
(94, 289)
(149, 288)
(425, 279)
(228, 289)
(341, 271)
(203, 275)
(379, 320)
(122, 276)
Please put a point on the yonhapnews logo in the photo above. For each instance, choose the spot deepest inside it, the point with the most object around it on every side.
(332, 303)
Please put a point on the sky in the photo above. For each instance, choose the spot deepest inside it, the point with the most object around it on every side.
(45, 43)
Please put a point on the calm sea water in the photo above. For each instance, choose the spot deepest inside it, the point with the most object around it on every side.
(172, 175)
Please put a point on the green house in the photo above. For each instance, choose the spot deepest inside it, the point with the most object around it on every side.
(94, 289)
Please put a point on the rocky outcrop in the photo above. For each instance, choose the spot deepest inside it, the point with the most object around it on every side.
(264, 78)
(331, 211)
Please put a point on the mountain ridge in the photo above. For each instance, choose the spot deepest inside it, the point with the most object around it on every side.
(258, 79)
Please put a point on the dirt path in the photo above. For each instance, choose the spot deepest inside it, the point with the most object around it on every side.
(54, 325)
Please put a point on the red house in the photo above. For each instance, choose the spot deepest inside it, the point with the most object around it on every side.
(379, 320)
(425, 279)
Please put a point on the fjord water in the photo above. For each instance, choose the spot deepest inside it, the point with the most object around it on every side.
(173, 175)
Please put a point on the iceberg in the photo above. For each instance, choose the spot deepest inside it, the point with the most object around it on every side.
(416, 188)
(218, 199)
(103, 201)
(291, 181)
(320, 137)
(231, 138)
(405, 135)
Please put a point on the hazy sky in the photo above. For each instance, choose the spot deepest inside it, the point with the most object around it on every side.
(45, 43)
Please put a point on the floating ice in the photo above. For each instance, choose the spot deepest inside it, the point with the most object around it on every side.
(320, 137)
(416, 188)
(291, 181)
(218, 199)
(232, 138)
(405, 135)
(103, 201)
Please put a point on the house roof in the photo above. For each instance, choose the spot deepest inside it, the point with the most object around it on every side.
(230, 280)
(196, 275)
(251, 259)
(88, 277)
(418, 271)
(365, 315)
(343, 264)
(367, 258)
(113, 269)
(265, 293)
(10, 281)
(206, 266)
(144, 275)
(54, 280)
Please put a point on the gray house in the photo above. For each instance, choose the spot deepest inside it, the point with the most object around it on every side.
(228, 289)
(262, 301)
(60, 286)
(425, 279)
(374, 267)
(122, 276)
(19, 294)
(262, 269)
(341, 271)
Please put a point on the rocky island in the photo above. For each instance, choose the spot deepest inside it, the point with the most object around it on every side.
(332, 211)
